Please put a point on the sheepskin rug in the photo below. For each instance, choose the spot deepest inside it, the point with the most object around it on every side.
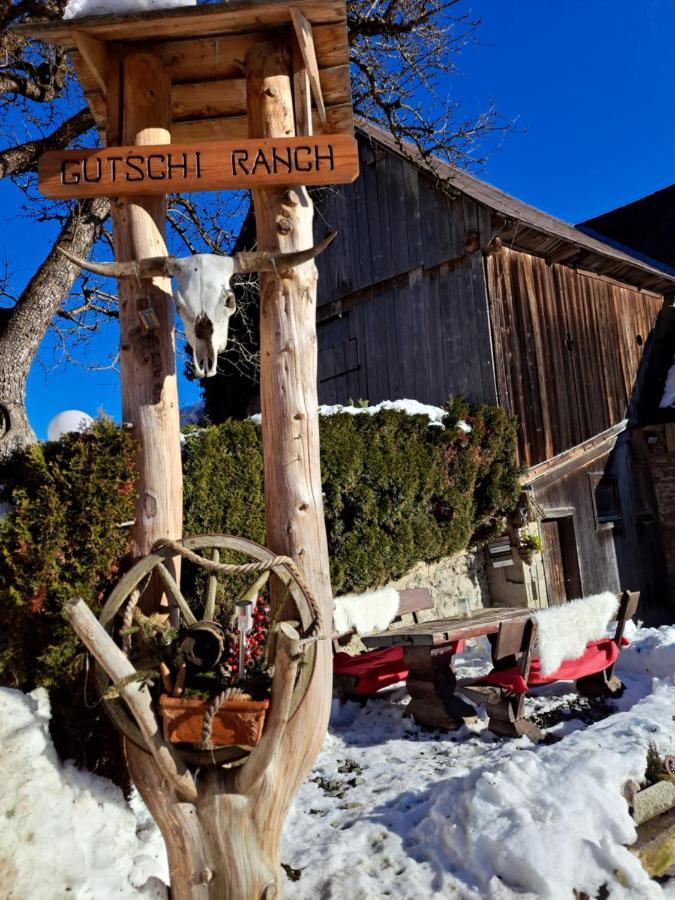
(564, 631)
(365, 613)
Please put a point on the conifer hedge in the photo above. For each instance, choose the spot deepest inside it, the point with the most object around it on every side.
(397, 490)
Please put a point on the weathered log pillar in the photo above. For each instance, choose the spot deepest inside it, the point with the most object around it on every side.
(288, 392)
(225, 846)
(139, 101)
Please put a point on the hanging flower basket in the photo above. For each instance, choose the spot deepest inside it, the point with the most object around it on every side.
(236, 722)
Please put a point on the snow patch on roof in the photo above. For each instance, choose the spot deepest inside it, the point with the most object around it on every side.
(76, 8)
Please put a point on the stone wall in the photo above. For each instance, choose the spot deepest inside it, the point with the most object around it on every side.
(450, 580)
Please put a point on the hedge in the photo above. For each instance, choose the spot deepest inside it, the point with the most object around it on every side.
(397, 490)
(63, 540)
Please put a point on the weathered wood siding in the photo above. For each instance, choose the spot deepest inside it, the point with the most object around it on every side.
(567, 349)
(626, 554)
(403, 308)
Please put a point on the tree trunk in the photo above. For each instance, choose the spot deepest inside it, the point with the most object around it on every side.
(227, 845)
(23, 327)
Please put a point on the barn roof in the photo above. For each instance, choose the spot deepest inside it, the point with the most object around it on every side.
(527, 228)
(644, 228)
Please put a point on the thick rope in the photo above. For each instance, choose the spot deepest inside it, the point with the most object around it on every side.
(232, 568)
(128, 620)
(212, 712)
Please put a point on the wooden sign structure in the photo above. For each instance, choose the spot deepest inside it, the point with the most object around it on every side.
(208, 166)
(270, 76)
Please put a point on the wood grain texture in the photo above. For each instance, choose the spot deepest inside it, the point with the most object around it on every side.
(95, 55)
(210, 166)
(443, 631)
(235, 17)
(213, 98)
(305, 41)
(147, 359)
(566, 350)
(339, 120)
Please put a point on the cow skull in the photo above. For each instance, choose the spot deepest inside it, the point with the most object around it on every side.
(202, 290)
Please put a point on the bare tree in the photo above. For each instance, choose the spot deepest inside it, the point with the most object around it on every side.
(32, 78)
(403, 55)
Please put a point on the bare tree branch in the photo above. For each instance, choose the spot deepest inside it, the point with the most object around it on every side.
(24, 157)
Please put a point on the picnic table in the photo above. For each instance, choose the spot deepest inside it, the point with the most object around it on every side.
(429, 649)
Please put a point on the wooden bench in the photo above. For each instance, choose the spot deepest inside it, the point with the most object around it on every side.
(429, 650)
(360, 676)
(515, 669)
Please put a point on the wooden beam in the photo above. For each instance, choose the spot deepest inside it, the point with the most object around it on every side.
(586, 451)
(135, 694)
(234, 17)
(303, 34)
(215, 58)
(95, 55)
(302, 93)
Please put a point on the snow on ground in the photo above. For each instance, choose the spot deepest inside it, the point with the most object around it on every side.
(393, 811)
(390, 810)
(76, 8)
(67, 833)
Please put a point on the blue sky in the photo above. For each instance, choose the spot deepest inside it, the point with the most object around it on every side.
(590, 85)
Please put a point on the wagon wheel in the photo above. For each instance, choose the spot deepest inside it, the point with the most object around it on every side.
(155, 562)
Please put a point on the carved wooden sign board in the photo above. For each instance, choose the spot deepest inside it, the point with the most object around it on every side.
(208, 166)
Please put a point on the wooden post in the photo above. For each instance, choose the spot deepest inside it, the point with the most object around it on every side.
(225, 846)
(288, 392)
(139, 101)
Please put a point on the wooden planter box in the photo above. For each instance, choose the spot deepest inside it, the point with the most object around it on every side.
(237, 722)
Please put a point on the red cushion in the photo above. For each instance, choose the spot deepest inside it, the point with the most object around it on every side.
(376, 669)
(597, 657)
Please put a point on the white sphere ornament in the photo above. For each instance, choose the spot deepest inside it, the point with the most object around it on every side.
(67, 421)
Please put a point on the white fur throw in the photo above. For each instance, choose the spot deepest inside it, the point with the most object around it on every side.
(564, 631)
(365, 613)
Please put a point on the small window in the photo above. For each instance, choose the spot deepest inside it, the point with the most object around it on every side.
(606, 500)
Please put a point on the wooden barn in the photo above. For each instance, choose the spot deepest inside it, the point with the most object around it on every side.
(645, 229)
(433, 291)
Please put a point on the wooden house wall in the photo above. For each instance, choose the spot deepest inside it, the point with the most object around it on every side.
(403, 306)
(627, 554)
(567, 349)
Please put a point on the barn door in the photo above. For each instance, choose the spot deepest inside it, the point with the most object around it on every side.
(553, 563)
(561, 560)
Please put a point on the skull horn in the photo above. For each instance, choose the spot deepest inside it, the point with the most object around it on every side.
(266, 261)
(150, 267)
